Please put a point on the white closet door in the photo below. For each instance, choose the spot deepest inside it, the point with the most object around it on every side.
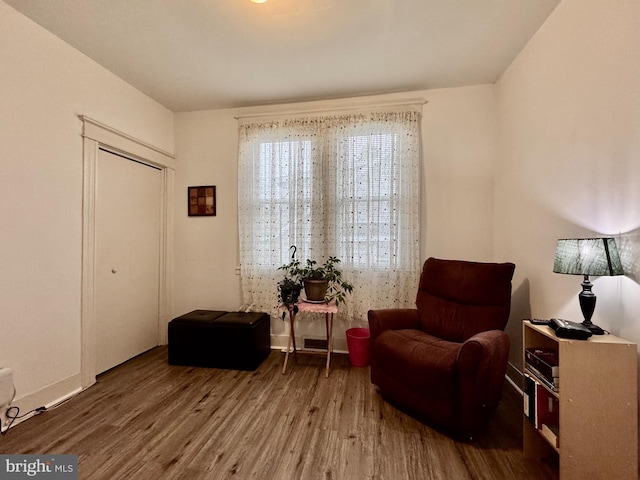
(127, 271)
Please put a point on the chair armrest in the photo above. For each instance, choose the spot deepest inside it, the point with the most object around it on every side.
(392, 319)
(482, 365)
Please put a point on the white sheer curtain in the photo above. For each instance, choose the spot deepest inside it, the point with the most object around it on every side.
(343, 185)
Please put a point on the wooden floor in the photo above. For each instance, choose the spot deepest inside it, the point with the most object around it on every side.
(148, 420)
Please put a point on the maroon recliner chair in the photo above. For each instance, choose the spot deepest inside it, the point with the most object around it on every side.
(445, 361)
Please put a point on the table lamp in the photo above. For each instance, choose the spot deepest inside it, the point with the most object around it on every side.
(588, 256)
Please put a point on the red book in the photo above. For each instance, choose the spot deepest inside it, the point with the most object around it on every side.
(547, 408)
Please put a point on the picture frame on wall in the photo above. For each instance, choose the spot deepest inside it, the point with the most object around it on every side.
(201, 201)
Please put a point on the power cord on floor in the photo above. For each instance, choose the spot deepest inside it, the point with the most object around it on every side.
(17, 415)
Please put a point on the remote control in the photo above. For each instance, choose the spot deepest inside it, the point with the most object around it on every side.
(538, 321)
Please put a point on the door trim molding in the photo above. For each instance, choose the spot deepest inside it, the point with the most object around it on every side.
(97, 135)
(126, 144)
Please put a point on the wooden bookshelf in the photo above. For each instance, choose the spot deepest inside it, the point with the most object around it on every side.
(598, 418)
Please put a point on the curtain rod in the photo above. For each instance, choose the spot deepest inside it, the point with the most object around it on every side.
(404, 103)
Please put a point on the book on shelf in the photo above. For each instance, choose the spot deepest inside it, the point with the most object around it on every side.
(529, 399)
(553, 383)
(541, 407)
(544, 360)
(547, 407)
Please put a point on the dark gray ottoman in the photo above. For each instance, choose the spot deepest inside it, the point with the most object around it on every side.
(207, 338)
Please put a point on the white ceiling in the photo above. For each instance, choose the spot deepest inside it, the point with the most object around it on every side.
(205, 54)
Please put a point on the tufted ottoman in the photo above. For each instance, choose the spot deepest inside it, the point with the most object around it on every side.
(207, 338)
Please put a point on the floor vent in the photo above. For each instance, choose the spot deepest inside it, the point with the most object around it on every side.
(315, 343)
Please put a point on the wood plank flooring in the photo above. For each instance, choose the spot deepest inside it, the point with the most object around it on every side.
(146, 419)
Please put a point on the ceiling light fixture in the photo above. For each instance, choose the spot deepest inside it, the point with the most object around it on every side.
(258, 1)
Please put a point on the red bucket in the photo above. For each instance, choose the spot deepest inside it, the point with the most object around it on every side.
(358, 344)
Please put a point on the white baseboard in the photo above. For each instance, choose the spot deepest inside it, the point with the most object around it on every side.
(515, 387)
(48, 396)
(516, 371)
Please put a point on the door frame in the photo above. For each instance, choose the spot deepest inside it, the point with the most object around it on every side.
(98, 136)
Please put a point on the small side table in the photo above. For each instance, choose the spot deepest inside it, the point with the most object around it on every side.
(329, 310)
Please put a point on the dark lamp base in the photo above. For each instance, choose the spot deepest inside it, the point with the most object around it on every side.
(594, 329)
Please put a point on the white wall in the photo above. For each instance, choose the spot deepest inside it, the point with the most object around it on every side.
(569, 117)
(459, 152)
(206, 248)
(44, 85)
(458, 130)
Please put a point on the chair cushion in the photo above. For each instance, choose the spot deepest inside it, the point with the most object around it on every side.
(457, 322)
(418, 360)
(457, 299)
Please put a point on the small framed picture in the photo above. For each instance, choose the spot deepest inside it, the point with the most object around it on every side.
(202, 201)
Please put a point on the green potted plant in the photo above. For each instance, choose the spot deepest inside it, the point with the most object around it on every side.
(323, 283)
(290, 286)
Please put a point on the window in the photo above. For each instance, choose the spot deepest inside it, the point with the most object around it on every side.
(366, 205)
(337, 185)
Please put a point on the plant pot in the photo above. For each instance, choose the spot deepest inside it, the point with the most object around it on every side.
(315, 289)
(290, 294)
